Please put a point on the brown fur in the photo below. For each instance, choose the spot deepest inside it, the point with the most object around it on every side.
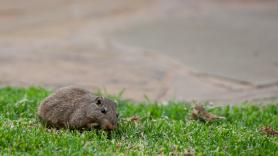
(77, 108)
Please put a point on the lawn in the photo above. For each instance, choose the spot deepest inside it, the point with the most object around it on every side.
(159, 129)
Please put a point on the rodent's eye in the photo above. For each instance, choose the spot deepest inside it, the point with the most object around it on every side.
(103, 110)
(117, 115)
(99, 100)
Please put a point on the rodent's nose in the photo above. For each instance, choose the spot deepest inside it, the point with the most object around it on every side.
(109, 126)
(103, 110)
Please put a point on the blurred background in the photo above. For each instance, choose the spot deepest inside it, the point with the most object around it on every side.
(217, 50)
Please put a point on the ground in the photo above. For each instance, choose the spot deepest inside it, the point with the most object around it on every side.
(145, 128)
(185, 50)
(158, 52)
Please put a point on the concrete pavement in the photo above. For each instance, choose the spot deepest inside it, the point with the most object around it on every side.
(181, 50)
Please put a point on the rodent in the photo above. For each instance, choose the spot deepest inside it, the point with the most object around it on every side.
(77, 108)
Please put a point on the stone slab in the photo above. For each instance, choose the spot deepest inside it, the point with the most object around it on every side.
(237, 44)
(58, 43)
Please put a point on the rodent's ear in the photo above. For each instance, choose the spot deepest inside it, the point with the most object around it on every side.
(99, 100)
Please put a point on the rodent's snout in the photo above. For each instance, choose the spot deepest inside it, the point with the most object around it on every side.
(108, 125)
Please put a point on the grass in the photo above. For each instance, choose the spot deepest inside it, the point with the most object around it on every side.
(162, 129)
